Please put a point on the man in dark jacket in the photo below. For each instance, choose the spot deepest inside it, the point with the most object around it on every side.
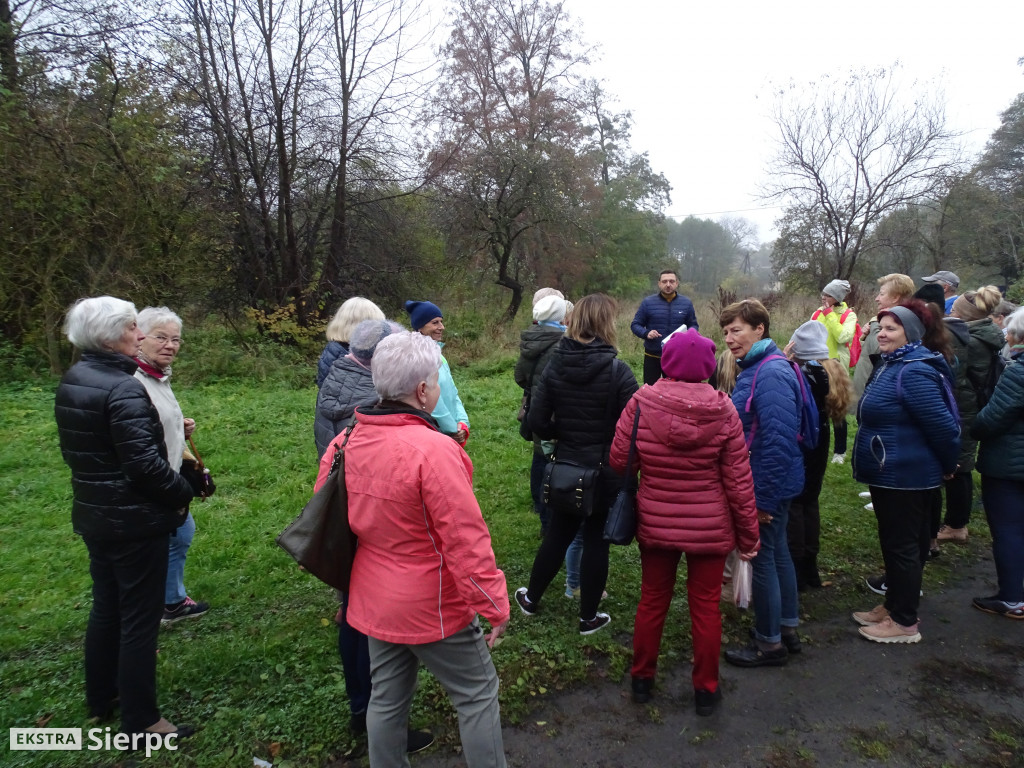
(657, 316)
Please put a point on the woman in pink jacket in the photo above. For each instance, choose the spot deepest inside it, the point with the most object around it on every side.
(424, 568)
(696, 497)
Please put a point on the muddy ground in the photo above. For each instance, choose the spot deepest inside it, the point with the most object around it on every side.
(954, 699)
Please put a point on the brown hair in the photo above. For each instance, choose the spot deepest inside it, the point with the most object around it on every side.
(593, 317)
(750, 311)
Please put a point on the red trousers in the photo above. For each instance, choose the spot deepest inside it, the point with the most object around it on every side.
(704, 591)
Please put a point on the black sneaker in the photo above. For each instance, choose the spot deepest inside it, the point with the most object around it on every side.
(418, 741)
(524, 603)
(186, 609)
(706, 701)
(877, 585)
(642, 689)
(590, 626)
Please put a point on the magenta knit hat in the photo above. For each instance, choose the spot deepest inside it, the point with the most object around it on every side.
(688, 356)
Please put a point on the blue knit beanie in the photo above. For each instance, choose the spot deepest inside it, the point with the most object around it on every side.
(421, 313)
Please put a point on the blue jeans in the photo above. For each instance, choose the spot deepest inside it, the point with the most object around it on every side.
(354, 650)
(775, 597)
(573, 558)
(1004, 507)
(177, 551)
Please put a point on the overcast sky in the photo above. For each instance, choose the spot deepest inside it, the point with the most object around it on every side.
(697, 75)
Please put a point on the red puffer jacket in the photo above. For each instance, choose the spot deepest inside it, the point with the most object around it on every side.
(696, 492)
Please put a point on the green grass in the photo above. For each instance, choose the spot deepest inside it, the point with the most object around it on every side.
(260, 672)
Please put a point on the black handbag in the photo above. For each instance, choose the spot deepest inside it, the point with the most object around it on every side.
(195, 472)
(320, 539)
(524, 410)
(620, 527)
(570, 487)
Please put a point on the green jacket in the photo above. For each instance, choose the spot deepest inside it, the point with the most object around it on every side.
(999, 427)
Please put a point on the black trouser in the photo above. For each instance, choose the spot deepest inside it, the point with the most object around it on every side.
(841, 430)
(562, 529)
(652, 368)
(959, 499)
(128, 580)
(903, 528)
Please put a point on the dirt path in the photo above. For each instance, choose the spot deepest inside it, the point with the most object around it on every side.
(955, 699)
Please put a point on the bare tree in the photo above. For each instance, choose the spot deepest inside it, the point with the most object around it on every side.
(378, 85)
(506, 160)
(853, 151)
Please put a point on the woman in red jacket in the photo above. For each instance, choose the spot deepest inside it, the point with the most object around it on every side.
(696, 497)
(424, 568)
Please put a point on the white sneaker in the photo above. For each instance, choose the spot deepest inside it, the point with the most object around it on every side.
(838, 458)
(869, 507)
(865, 494)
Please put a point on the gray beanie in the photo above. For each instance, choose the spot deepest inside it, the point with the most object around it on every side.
(810, 341)
(367, 335)
(837, 289)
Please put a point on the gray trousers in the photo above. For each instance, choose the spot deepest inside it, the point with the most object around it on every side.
(462, 665)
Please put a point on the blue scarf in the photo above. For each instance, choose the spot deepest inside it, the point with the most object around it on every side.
(903, 351)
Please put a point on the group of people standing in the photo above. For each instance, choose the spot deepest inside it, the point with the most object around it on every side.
(733, 467)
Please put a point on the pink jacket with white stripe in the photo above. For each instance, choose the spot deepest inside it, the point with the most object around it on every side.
(424, 566)
(696, 492)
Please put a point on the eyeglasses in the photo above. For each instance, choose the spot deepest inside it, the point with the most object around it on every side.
(163, 341)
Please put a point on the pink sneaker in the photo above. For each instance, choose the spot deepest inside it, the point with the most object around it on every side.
(888, 631)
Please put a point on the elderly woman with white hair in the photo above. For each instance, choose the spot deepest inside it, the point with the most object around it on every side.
(127, 501)
(999, 429)
(351, 313)
(156, 354)
(424, 568)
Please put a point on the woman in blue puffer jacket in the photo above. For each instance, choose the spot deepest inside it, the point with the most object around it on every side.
(768, 384)
(907, 442)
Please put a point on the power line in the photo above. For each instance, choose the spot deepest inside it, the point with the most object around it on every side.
(719, 213)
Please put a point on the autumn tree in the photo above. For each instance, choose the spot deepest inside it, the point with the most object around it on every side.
(505, 159)
(850, 152)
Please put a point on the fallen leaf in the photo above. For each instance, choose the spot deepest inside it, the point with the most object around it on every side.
(43, 721)
(274, 748)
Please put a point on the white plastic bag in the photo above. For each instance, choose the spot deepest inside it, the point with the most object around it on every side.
(742, 584)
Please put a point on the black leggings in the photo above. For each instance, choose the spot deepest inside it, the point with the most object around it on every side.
(593, 567)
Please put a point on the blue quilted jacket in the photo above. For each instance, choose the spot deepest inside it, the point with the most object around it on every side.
(332, 352)
(656, 314)
(999, 426)
(906, 440)
(776, 458)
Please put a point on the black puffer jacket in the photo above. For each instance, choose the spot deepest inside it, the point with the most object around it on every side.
(536, 345)
(347, 385)
(571, 403)
(111, 438)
